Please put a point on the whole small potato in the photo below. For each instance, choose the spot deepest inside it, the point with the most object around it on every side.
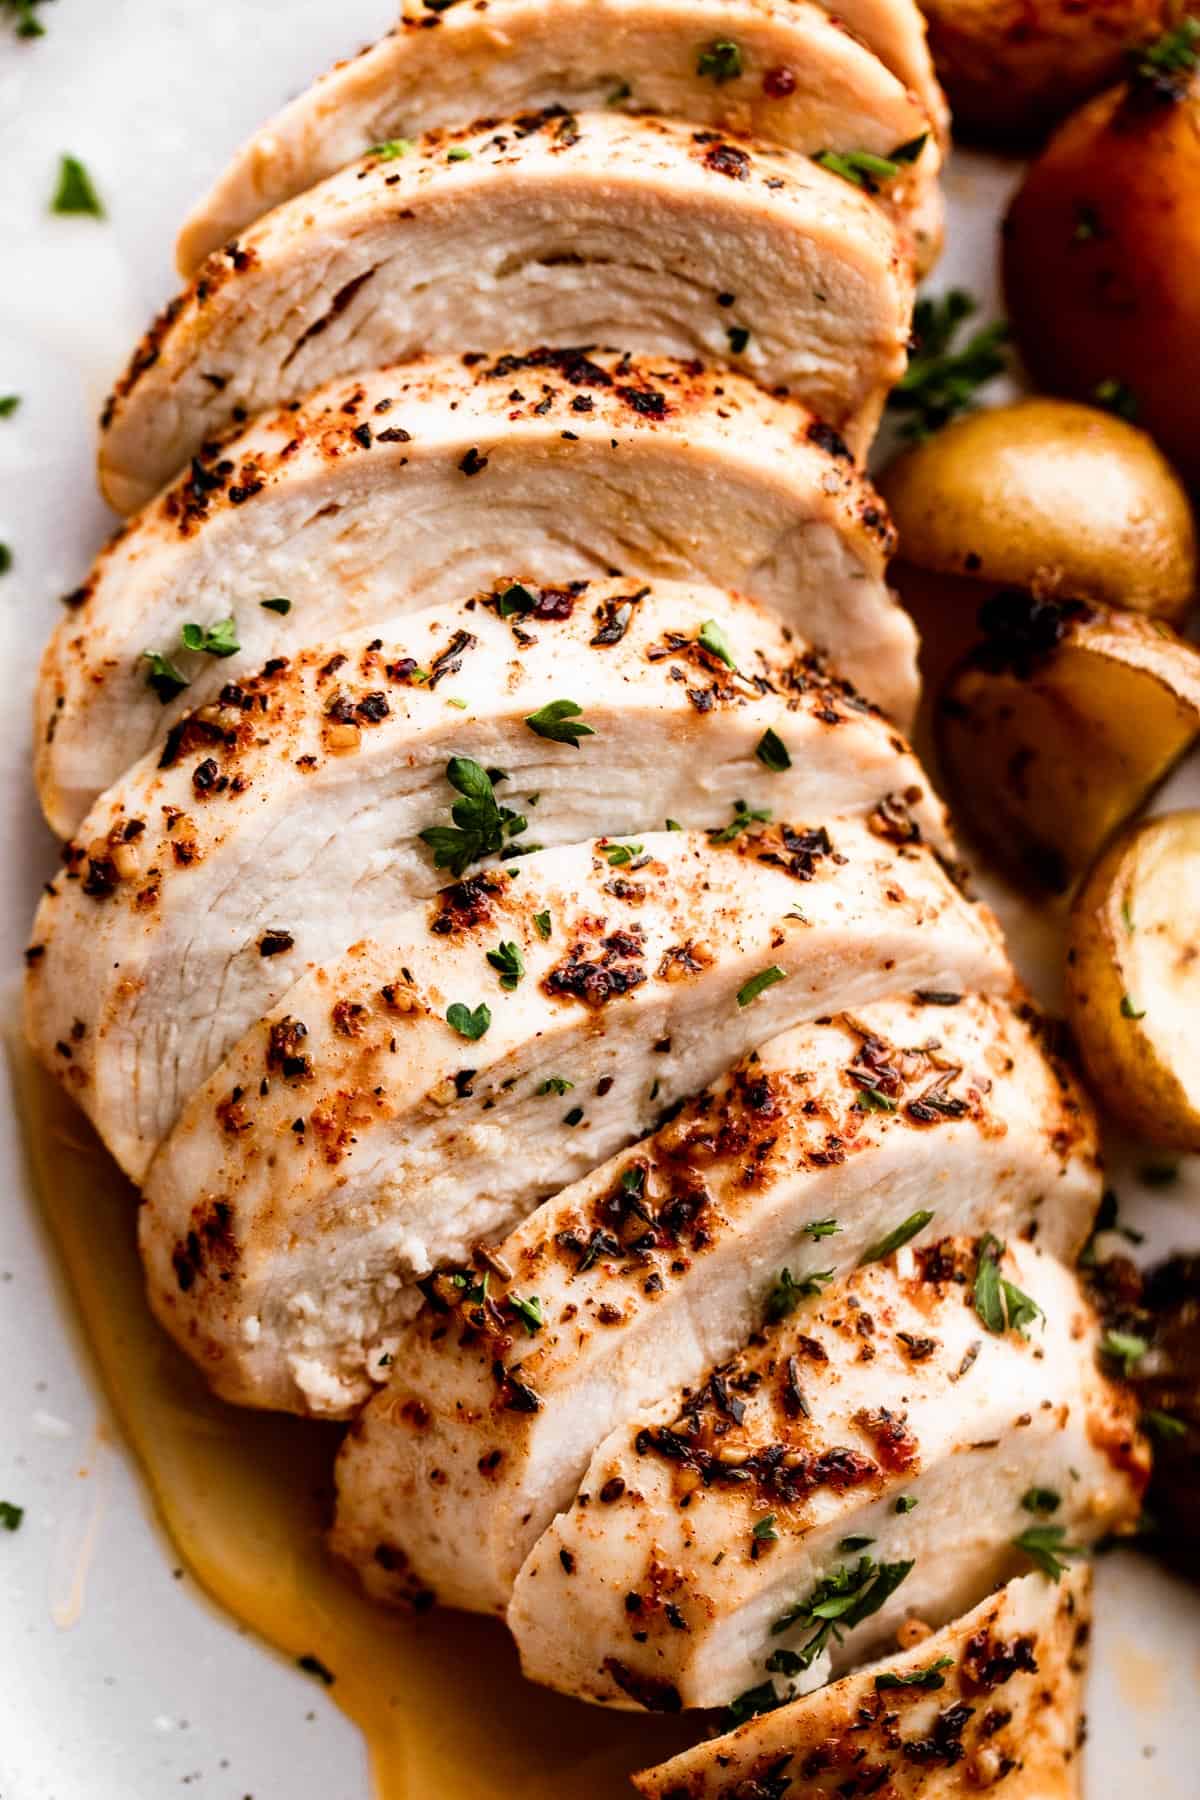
(1102, 260)
(1059, 499)
(1133, 979)
(1012, 67)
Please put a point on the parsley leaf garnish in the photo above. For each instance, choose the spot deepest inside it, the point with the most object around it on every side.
(765, 1531)
(618, 855)
(739, 337)
(720, 61)
(1163, 1425)
(788, 1291)
(220, 639)
(561, 722)
(1044, 1546)
(864, 169)
(390, 149)
(166, 680)
(281, 606)
(712, 638)
(838, 1603)
(542, 923)
(1000, 1303)
(24, 19)
(75, 193)
(468, 1024)
(758, 984)
(528, 1311)
(1042, 1501)
(772, 752)
(895, 1240)
(8, 405)
(10, 1515)
(507, 959)
(752, 1703)
(940, 381)
(556, 1084)
(1129, 1010)
(821, 1228)
(480, 822)
(1124, 1347)
(927, 1679)
(743, 818)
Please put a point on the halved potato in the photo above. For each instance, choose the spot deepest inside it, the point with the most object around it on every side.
(1058, 727)
(1062, 499)
(1133, 979)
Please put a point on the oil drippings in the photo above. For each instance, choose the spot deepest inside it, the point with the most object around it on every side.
(244, 1498)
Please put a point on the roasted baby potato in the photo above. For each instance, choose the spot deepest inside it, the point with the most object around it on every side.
(1011, 68)
(1133, 979)
(1060, 499)
(1058, 727)
(1101, 253)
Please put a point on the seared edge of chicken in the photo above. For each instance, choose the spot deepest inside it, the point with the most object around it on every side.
(547, 228)
(992, 1701)
(644, 1275)
(801, 82)
(424, 1091)
(413, 485)
(285, 819)
(937, 1405)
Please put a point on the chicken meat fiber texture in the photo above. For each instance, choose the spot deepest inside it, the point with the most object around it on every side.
(506, 935)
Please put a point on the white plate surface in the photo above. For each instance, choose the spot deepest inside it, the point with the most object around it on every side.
(117, 1680)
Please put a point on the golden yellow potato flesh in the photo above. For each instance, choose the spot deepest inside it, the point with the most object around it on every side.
(1051, 496)
(1011, 67)
(1133, 980)
(1058, 728)
(1102, 263)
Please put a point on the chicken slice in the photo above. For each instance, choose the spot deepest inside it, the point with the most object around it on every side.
(653, 1269)
(414, 485)
(908, 1455)
(284, 822)
(414, 1097)
(542, 229)
(796, 79)
(994, 1700)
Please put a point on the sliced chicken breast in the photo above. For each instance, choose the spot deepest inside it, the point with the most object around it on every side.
(311, 802)
(546, 228)
(896, 1443)
(654, 1268)
(993, 1701)
(794, 78)
(415, 485)
(425, 1091)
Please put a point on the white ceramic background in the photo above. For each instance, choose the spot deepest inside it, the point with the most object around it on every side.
(117, 1680)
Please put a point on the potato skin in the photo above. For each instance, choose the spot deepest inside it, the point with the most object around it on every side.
(1130, 957)
(1102, 261)
(1053, 497)
(1012, 67)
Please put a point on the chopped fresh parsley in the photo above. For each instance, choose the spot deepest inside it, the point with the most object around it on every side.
(220, 639)
(515, 600)
(1163, 1425)
(713, 639)
(758, 984)
(820, 1228)
(1163, 69)
(620, 94)
(163, 677)
(1113, 396)
(312, 1665)
(940, 381)
(752, 1703)
(529, 1311)
(507, 959)
(895, 1240)
(75, 193)
(906, 1504)
(1044, 1546)
(460, 153)
(556, 1084)
(1042, 1501)
(1108, 1219)
(574, 1117)
(391, 148)
(866, 170)
(772, 752)
(1129, 1010)
(836, 1605)
(8, 405)
(743, 818)
(739, 337)
(542, 924)
(6, 559)
(1124, 1347)
(764, 1530)
(1000, 1303)
(928, 1679)
(858, 1542)
(561, 722)
(619, 855)
(468, 1024)
(480, 825)
(23, 17)
(720, 61)
(870, 1099)
(10, 1515)
(789, 1290)
(281, 606)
